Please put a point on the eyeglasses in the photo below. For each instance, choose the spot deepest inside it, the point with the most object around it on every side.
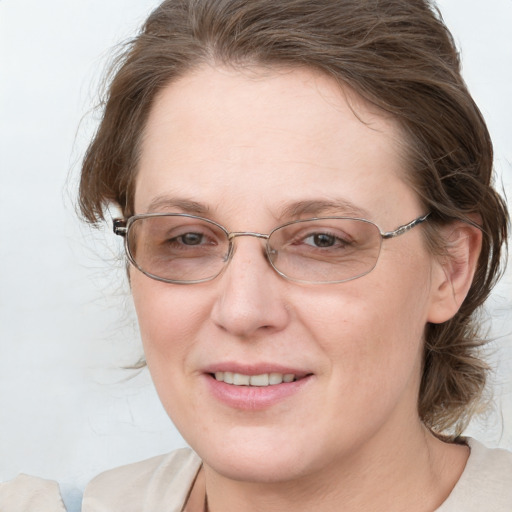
(185, 249)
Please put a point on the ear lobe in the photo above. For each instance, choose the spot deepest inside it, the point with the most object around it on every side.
(453, 272)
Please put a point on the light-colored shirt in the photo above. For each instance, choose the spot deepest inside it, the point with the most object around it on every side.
(164, 483)
(30, 494)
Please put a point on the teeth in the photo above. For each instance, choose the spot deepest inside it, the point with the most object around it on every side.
(275, 378)
(259, 380)
(241, 380)
(265, 379)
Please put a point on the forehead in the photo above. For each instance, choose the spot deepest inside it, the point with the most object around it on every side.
(273, 135)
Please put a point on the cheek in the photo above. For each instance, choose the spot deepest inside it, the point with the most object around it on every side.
(372, 334)
(169, 317)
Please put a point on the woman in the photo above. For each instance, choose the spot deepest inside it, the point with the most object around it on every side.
(307, 209)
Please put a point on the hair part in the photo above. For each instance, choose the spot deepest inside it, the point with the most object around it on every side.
(396, 54)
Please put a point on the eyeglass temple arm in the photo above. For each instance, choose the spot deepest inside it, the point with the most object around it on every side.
(406, 227)
(119, 227)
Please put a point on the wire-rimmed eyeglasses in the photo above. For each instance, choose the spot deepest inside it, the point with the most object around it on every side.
(180, 248)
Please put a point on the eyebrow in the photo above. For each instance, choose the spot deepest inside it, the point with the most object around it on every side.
(163, 203)
(296, 209)
(340, 207)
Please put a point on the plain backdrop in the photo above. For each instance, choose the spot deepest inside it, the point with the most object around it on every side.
(68, 409)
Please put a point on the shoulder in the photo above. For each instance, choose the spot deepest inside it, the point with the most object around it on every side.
(485, 484)
(159, 483)
(492, 466)
(489, 456)
(30, 493)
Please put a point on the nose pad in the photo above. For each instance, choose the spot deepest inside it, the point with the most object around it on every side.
(229, 253)
(250, 297)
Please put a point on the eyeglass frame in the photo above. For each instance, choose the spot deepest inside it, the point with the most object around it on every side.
(121, 228)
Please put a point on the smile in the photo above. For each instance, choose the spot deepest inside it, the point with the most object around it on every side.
(255, 388)
(262, 380)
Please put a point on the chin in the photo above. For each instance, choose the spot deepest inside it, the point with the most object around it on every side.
(255, 468)
(262, 459)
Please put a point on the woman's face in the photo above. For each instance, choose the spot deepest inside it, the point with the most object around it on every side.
(252, 150)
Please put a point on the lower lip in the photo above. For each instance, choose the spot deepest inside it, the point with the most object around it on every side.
(254, 398)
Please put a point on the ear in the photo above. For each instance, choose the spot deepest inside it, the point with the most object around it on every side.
(453, 272)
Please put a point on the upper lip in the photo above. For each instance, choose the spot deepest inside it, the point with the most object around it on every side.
(254, 369)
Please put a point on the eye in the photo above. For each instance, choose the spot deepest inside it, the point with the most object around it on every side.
(189, 239)
(317, 238)
(186, 237)
(324, 240)
(321, 240)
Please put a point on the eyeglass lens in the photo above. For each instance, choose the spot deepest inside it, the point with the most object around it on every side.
(184, 248)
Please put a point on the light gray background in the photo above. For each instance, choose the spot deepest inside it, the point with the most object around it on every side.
(67, 410)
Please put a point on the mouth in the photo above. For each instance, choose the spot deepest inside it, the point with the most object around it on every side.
(261, 380)
(257, 387)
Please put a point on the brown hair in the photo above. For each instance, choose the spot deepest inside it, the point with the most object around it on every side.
(397, 54)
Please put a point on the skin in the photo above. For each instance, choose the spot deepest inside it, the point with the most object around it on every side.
(246, 145)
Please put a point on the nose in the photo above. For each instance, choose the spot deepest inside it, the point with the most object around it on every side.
(250, 300)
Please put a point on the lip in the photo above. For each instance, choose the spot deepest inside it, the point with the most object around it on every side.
(252, 398)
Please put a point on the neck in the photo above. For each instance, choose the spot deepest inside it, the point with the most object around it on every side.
(414, 473)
